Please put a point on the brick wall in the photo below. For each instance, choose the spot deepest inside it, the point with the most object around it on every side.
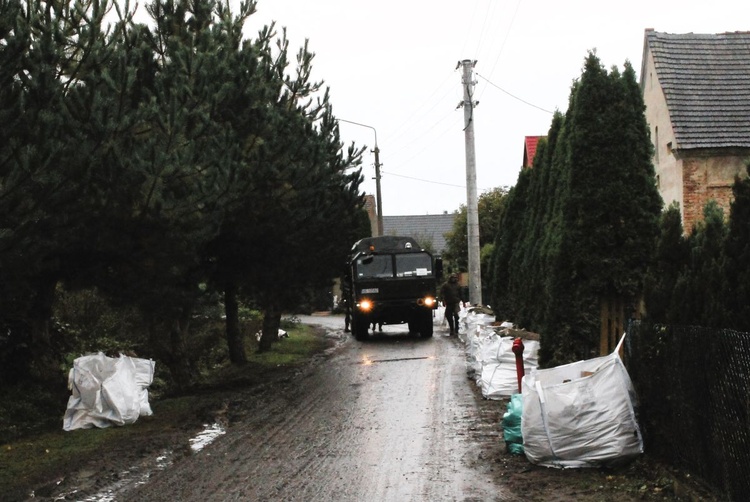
(706, 178)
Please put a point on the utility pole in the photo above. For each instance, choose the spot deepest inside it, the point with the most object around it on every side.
(472, 211)
(376, 151)
(378, 198)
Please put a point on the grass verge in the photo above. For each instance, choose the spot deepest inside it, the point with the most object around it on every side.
(37, 460)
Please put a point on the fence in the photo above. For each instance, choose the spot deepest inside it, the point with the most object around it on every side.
(693, 386)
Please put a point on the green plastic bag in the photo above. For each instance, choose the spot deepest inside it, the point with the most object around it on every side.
(512, 425)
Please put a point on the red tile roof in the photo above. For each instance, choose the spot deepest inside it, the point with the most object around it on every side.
(529, 150)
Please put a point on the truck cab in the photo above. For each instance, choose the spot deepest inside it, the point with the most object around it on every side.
(391, 280)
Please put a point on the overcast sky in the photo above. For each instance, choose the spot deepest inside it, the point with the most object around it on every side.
(391, 65)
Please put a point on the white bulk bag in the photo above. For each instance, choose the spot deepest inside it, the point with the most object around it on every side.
(499, 376)
(469, 321)
(107, 391)
(481, 346)
(580, 414)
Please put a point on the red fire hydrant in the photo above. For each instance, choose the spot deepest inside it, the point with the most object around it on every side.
(518, 351)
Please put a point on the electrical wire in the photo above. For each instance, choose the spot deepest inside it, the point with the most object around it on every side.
(439, 182)
(513, 96)
(507, 34)
(445, 131)
(436, 103)
(423, 180)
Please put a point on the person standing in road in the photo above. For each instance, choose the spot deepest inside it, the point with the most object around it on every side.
(450, 295)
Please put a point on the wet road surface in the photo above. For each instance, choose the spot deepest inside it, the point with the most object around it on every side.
(391, 419)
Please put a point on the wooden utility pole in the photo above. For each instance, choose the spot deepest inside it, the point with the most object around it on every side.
(472, 211)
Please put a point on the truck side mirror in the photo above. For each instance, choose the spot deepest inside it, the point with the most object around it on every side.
(439, 269)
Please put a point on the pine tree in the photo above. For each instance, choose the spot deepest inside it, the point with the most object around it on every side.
(53, 174)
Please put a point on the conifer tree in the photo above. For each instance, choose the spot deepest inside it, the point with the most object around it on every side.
(737, 253)
(302, 207)
(700, 290)
(530, 263)
(503, 301)
(490, 207)
(670, 259)
(53, 181)
(588, 218)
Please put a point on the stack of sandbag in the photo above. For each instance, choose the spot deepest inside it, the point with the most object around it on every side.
(581, 414)
(474, 327)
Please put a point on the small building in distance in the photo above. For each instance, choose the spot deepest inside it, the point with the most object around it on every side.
(428, 229)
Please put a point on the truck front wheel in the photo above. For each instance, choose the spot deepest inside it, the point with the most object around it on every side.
(360, 327)
(426, 324)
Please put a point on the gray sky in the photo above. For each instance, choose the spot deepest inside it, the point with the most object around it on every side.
(392, 65)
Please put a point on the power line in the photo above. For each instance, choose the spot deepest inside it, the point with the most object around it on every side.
(513, 96)
(424, 181)
(433, 182)
(397, 130)
(507, 34)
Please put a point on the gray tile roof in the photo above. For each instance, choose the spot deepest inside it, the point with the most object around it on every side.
(706, 82)
(428, 229)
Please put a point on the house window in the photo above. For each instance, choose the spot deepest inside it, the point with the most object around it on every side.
(656, 144)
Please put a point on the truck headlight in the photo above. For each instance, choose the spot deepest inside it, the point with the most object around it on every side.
(427, 301)
(365, 305)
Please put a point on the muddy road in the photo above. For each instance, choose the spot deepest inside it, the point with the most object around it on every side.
(393, 418)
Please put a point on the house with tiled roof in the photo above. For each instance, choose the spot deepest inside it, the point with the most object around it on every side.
(696, 88)
(429, 230)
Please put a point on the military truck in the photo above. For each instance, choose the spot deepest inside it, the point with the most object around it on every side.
(391, 280)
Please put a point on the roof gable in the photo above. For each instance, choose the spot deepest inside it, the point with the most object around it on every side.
(706, 83)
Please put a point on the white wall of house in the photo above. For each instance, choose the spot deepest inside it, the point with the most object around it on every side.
(668, 168)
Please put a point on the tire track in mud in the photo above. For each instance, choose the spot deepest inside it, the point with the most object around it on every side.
(388, 419)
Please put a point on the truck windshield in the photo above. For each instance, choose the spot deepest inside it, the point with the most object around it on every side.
(413, 264)
(375, 266)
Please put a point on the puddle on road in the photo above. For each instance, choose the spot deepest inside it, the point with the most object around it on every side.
(126, 478)
(206, 437)
(135, 476)
(367, 361)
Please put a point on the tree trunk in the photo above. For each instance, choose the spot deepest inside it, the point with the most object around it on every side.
(271, 323)
(174, 353)
(43, 361)
(178, 335)
(234, 336)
